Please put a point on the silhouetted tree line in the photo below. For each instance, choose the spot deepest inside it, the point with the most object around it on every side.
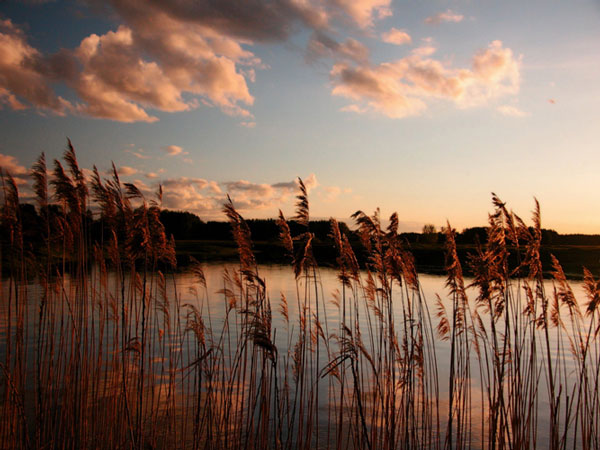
(185, 226)
(213, 240)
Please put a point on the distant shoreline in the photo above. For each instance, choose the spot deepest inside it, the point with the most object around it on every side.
(429, 258)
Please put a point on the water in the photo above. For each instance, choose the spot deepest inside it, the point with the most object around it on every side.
(195, 361)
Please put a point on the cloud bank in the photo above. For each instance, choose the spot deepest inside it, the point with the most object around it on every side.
(403, 87)
(169, 57)
(166, 56)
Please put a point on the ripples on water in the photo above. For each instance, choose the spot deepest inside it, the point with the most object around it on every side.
(200, 374)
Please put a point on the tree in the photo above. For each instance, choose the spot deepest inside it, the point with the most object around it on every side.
(429, 234)
(429, 228)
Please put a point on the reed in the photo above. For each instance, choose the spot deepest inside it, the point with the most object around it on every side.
(98, 349)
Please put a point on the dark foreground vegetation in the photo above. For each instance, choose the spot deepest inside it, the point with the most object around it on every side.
(211, 241)
(97, 349)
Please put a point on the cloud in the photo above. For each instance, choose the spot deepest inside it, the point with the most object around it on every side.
(126, 171)
(11, 164)
(321, 45)
(363, 11)
(248, 196)
(511, 111)
(242, 20)
(163, 57)
(397, 37)
(263, 190)
(25, 74)
(310, 182)
(174, 150)
(185, 193)
(213, 186)
(447, 16)
(153, 61)
(354, 109)
(139, 154)
(198, 195)
(177, 183)
(119, 82)
(402, 88)
(331, 193)
(169, 57)
(380, 90)
(206, 197)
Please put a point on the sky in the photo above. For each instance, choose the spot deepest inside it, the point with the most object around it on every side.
(420, 107)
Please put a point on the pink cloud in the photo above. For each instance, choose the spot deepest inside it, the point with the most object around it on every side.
(331, 193)
(377, 89)
(214, 187)
(362, 12)
(167, 56)
(139, 154)
(152, 62)
(126, 171)
(321, 45)
(10, 164)
(25, 74)
(174, 150)
(118, 82)
(397, 37)
(402, 88)
(310, 182)
(511, 111)
(447, 16)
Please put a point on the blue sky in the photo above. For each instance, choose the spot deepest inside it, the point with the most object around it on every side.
(423, 108)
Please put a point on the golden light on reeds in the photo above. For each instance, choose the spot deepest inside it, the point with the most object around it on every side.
(99, 350)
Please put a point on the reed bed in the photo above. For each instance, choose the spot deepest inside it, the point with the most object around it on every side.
(98, 350)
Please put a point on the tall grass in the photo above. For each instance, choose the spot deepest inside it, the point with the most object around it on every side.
(98, 349)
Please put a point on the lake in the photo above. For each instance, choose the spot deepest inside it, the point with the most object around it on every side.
(209, 357)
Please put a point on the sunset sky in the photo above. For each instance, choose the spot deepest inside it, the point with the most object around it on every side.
(420, 107)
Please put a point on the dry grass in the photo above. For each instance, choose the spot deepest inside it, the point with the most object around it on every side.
(98, 351)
